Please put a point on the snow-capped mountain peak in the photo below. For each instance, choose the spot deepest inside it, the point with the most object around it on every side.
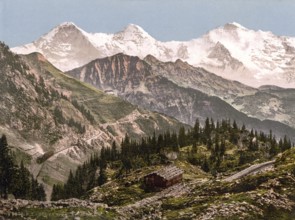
(132, 32)
(234, 25)
(133, 28)
(231, 51)
(67, 24)
(62, 31)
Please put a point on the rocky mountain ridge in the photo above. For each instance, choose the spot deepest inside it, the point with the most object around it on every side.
(153, 87)
(266, 102)
(234, 52)
(54, 122)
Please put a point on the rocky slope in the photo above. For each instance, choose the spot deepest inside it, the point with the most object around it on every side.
(152, 86)
(54, 122)
(186, 75)
(267, 102)
(232, 51)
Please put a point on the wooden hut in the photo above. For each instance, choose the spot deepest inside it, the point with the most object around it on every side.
(164, 178)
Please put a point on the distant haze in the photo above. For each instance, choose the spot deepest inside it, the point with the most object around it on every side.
(24, 21)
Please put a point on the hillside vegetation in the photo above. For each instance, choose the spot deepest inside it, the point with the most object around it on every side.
(207, 156)
(204, 193)
(54, 122)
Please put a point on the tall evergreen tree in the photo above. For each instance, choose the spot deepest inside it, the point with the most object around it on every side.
(57, 192)
(114, 151)
(181, 137)
(174, 142)
(70, 187)
(102, 176)
(196, 131)
(6, 167)
(207, 130)
(22, 185)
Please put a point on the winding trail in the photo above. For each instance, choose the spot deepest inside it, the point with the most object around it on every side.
(250, 170)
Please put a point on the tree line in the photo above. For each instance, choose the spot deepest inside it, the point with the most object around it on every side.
(134, 154)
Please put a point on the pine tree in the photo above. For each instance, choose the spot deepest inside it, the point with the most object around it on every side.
(217, 129)
(40, 193)
(286, 144)
(125, 146)
(102, 176)
(70, 187)
(196, 131)
(160, 142)
(209, 143)
(25, 177)
(212, 124)
(217, 147)
(6, 168)
(174, 142)
(205, 165)
(194, 148)
(57, 192)
(274, 147)
(127, 165)
(114, 151)
(17, 180)
(154, 143)
(34, 188)
(222, 147)
(181, 137)
(207, 131)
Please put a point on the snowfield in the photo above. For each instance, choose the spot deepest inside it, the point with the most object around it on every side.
(232, 51)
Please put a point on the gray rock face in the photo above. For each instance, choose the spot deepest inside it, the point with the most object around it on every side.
(269, 103)
(152, 85)
(220, 53)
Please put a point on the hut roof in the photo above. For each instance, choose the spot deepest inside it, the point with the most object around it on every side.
(169, 172)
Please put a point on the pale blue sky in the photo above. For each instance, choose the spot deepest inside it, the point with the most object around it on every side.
(22, 21)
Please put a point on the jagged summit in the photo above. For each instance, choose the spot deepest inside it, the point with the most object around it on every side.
(64, 28)
(256, 57)
(134, 28)
(234, 25)
(132, 32)
(67, 23)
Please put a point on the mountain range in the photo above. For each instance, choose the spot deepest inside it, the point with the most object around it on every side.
(54, 122)
(68, 46)
(157, 76)
(74, 107)
(232, 51)
(157, 87)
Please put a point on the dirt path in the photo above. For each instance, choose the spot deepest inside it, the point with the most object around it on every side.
(176, 190)
(128, 119)
(252, 169)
